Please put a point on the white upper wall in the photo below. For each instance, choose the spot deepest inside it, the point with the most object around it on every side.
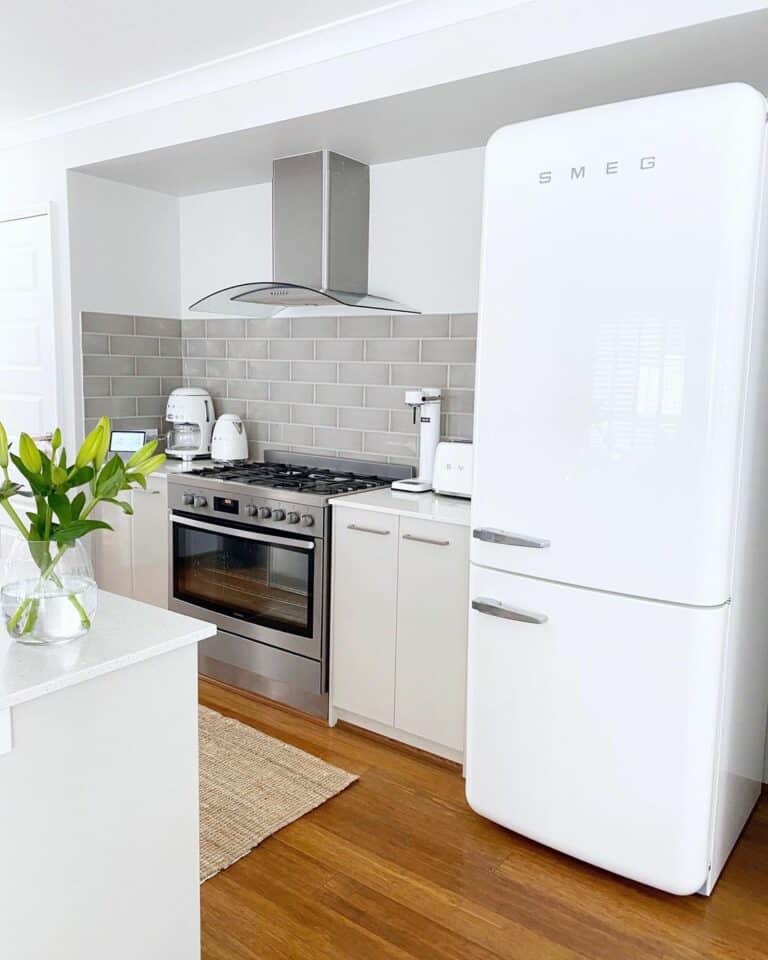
(424, 234)
(124, 248)
(379, 57)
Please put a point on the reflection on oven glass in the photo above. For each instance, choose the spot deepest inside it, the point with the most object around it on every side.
(261, 582)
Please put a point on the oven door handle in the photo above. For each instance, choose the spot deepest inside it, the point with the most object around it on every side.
(243, 534)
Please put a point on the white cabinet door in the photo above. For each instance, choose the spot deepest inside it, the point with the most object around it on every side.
(364, 613)
(27, 360)
(28, 398)
(111, 550)
(433, 583)
(150, 543)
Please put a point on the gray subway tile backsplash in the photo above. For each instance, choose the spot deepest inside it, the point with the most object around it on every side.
(290, 392)
(314, 414)
(158, 327)
(339, 395)
(314, 372)
(107, 323)
(248, 349)
(448, 351)
(420, 325)
(292, 349)
(135, 386)
(229, 369)
(330, 385)
(392, 350)
(225, 328)
(159, 366)
(109, 366)
(363, 373)
(121, 346)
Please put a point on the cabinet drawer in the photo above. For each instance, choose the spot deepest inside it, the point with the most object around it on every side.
(364, 618)
(433, 584)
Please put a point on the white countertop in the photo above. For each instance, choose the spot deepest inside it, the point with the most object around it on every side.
(424, 506)
(174, 465)
(124, 632)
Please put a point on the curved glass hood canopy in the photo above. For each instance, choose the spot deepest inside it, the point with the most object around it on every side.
(320, 214)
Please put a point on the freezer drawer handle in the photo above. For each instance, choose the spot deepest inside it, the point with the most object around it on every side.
(510, 539)
(494, 608)
(356, 526)
(436, 543)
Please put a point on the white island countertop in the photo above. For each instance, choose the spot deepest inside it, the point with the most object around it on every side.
(422, 506)
(124, 632)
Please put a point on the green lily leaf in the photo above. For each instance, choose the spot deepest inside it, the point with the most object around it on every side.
(61, 507)
(123, 504)
(69, 532)
(38, 485)
(109, 480)
(78, 503)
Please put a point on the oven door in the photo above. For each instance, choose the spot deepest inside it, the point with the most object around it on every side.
(261, 585)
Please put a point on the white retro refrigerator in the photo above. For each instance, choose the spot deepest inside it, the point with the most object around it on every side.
(618, 648)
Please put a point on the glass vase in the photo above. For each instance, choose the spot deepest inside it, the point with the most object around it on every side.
(48, 594)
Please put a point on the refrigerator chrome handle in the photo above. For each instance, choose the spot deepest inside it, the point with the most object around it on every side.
(490, 535)
(495, 608)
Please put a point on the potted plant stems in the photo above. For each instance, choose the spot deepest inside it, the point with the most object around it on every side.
(48, 593)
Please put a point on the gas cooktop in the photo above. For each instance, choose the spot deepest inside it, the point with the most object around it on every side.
(291, 476)
(315, 478)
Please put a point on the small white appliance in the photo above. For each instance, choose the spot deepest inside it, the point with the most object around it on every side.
(229, 443)
(426, 406)
(453, 468)
(618, 658)
(190, 411)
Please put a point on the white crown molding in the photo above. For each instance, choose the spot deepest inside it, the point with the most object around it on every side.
(389, 23)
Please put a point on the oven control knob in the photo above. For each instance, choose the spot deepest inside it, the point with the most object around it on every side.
(307, 519)
(264, 513)
(292, 517)
(278, 514)
(250, 510)
(200, 502)
(187, 499)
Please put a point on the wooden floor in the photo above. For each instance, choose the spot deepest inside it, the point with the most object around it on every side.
(398, 866)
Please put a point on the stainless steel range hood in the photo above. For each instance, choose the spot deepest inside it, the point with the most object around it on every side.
(320, 213)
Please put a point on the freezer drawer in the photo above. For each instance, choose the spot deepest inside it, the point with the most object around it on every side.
(591, 724)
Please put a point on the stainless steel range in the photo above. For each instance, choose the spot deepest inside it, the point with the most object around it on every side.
(250, 552)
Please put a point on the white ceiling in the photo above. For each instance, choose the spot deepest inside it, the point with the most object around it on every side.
(54, 54)
(462, 114)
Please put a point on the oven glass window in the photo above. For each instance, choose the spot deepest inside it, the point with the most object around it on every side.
(261, 582)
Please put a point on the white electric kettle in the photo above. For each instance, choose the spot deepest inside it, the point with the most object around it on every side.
(229, 443)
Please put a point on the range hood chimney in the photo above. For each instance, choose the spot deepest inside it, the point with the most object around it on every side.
(320, 214)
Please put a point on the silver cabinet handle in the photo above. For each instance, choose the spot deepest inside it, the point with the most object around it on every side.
(510, 539)
(356, 526)
(435, 543)
(495, 608)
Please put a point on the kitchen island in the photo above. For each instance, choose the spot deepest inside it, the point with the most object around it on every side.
(99, 790)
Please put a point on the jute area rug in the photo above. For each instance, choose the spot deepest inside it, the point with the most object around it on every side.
(251, 785)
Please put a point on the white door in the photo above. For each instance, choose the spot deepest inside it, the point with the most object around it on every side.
(364, 617)
(28, 398)
(594, 730)
(616, 299)
(431, 661)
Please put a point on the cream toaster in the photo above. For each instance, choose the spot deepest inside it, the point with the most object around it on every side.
(453, 468)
